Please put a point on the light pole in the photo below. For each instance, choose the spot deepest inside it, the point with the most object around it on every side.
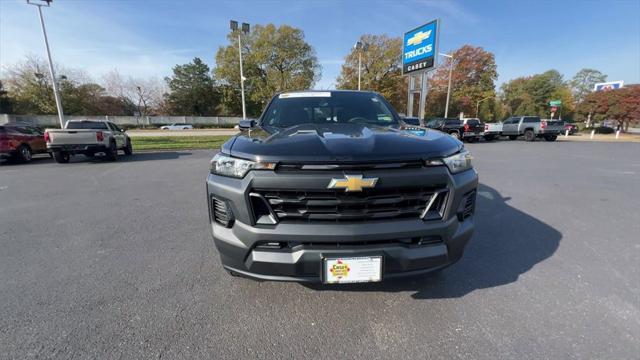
(245, 30)
(40, 4)
(478, 104)
(446, 108)
(360, 47)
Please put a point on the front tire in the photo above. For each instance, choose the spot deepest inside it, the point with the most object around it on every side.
(551, 137)
(529, 135)
(61, 157)
(112, 151)
(24, 154)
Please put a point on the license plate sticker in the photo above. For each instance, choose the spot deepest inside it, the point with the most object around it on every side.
(353, 270)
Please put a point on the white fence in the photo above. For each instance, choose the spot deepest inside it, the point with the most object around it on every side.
(52, 120)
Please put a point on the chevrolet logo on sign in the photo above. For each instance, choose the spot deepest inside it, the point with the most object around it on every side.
(352, 183)
(418, 37)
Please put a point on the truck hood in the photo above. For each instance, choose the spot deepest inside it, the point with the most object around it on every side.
(311, 143)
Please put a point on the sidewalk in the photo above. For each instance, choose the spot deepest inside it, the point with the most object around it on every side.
(601, 137)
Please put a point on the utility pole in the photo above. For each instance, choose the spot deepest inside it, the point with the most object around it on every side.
(446, 108)
(245, 30)
(478, 104)
(56, 94)
(360, 47)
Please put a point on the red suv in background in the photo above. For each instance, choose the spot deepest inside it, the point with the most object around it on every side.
(20, 141)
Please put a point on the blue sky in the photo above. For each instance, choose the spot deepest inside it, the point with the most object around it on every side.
(146, 38)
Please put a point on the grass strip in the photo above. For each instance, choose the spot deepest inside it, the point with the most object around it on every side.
(178, 142)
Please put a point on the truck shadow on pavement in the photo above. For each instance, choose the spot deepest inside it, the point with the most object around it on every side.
(506, 244)
(137, 156)
(155, 155)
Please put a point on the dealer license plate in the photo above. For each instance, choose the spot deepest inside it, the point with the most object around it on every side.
(352, 269)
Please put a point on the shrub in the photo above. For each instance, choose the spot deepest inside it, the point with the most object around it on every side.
(604, 130)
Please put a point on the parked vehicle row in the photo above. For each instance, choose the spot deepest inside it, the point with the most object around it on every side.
(472, 129)
(20, 141)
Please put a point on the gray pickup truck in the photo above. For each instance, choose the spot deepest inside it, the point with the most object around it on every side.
(531, 127)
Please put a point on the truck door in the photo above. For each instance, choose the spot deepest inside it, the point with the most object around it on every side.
(118, 135)
(509, 127)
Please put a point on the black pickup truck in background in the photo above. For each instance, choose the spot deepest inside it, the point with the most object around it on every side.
(469, 131)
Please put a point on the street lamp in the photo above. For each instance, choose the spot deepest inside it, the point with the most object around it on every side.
(478, 103)
(245, 30)
(40, 4)
(446, 109)
(360, 47)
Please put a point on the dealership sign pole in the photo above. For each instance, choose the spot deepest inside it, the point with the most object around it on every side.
(420, 47)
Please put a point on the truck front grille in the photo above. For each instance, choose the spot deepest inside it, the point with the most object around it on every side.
(371, 204)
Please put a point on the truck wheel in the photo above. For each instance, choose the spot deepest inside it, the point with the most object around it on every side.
(489, 137)
(112, 152)
(455, 134)
(513, 137)
(471, 140)
(128, 149)
(529, 135)
(551, 137)
(24, 154)
(61, 157)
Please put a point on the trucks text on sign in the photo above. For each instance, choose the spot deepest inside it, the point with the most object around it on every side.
(420, 48)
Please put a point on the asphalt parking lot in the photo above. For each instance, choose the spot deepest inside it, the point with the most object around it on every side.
(115, 260)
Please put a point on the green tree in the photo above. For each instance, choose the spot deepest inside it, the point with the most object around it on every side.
(274, 59)
(583, 82)
(192, 90)
(6, 102)
(473, 79)
(531, 95)
(381, 69)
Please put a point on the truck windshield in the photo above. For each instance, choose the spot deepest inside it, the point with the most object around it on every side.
(328, 107)
(87, 125)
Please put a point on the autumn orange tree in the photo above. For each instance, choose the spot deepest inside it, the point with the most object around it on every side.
(622, 105)
(381, 69)
(473, 79)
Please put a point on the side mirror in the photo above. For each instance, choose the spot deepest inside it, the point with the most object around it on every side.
(246, 124)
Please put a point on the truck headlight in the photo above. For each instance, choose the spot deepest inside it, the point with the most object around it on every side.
(226, 165)
(459, 162)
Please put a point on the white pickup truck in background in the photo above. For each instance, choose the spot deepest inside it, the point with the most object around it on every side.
(492, 131)
(87, 137)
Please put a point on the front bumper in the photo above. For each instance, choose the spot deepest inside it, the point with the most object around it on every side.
(310, 242)
(6, 154)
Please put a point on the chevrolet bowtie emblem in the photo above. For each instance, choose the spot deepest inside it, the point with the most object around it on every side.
(418, 37)
(352, 183)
